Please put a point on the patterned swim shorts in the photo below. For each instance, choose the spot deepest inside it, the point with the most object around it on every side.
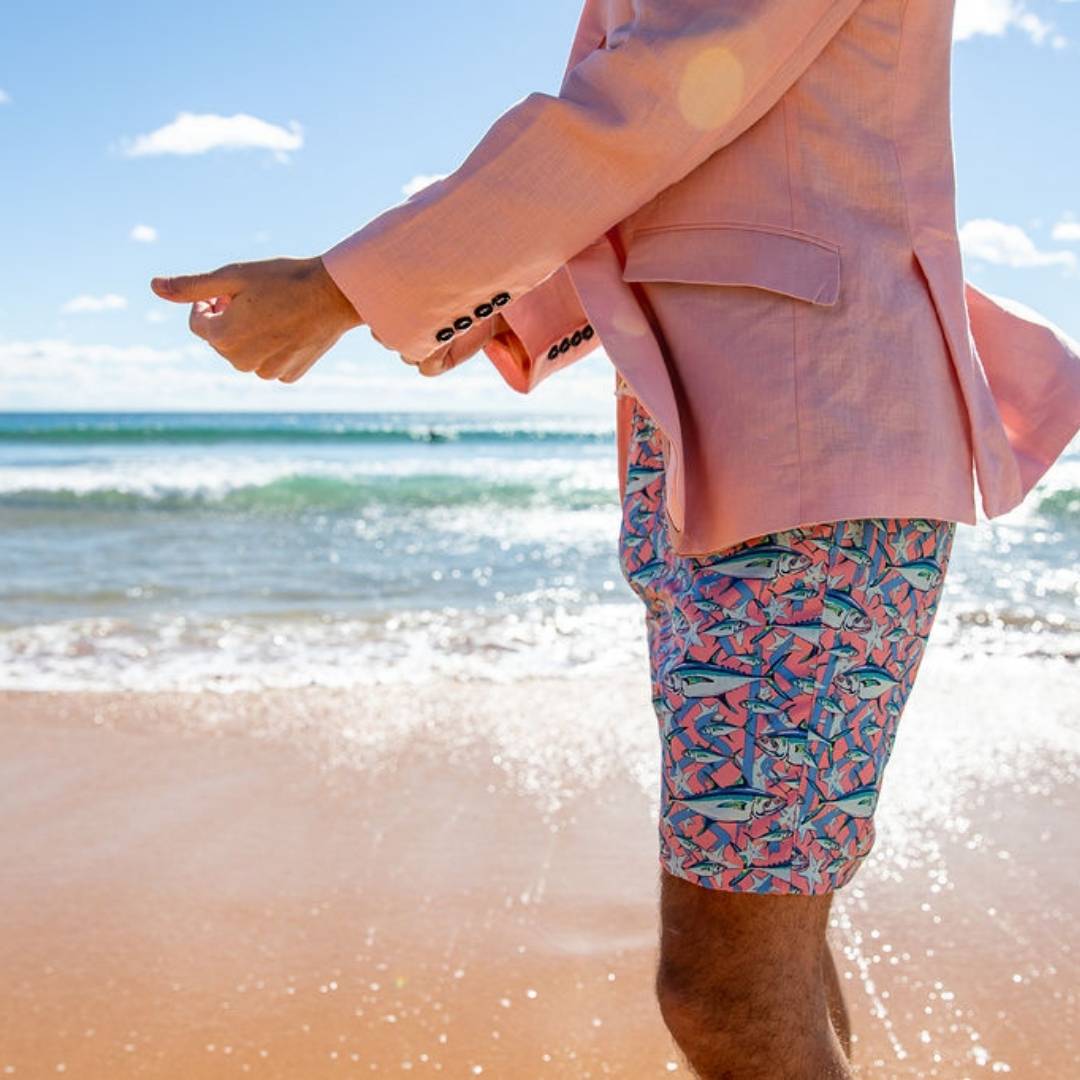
(780, 667)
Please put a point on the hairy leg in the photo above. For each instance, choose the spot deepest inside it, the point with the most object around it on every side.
(741, 983)
(838, 1011)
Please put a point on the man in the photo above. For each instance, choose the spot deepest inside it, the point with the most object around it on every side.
(751, 206)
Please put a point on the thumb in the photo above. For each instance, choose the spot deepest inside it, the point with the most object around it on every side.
(190, 287)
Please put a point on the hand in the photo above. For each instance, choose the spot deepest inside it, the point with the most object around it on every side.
(274, 317)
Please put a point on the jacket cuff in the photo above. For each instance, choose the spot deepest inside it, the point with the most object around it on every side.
(374, 285)
(545, 330)
(526, 354)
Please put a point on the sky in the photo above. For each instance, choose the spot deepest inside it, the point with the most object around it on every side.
(144, 139)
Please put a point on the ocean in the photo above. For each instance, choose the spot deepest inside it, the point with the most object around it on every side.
(244, 550)
(403, 676)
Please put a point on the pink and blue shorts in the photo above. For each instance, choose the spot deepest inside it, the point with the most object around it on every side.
(780, 668)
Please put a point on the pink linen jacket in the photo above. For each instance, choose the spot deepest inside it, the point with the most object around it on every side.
(751, 205)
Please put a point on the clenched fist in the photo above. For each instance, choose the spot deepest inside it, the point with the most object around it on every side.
(274, 317)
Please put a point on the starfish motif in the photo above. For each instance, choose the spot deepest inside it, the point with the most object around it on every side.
(833, 781)
(815, 574)
(752, 851)
(812, 873)
(671, 861)
(686, 629)
(874, 637)
(774, 608)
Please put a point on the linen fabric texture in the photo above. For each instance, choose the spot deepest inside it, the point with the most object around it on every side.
(752, 205)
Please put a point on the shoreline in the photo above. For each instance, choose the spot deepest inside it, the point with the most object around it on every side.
(208, 885)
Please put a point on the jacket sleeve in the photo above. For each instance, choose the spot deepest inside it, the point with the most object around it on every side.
(670, 86)
(529, 340)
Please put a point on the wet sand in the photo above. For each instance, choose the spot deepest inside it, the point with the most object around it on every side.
(209, 885)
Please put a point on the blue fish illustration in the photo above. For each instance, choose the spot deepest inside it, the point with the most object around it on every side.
(856, 754)
(639, 477)
(697, 678)
(857, 804)
(647, 572)
(703, 755)
(805, 684)
(851, 551)
(706, 868)
(775, 836)
(808, 629)
(923, 574)
(866, 682)
(799, 593)
(739, 803)
(729, 627)
(760, 561)
(832, 706)
(792, 746)
(843, 613)
(783, 870)
(763, 706)
(717, 728)
(844, 652)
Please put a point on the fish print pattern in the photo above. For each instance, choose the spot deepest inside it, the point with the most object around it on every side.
(779, 668)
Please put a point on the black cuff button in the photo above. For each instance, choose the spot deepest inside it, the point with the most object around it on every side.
(587, 332)
(501, 300)
(553, 352)
(445, 334)
(483, 311)
(564, 345)
(575, 338)
(463, 323)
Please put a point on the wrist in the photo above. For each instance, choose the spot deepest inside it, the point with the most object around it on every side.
(338, 299)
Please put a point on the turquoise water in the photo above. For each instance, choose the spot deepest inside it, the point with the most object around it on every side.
(245, 549)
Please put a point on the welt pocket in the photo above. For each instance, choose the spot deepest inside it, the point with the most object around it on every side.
(765, 257)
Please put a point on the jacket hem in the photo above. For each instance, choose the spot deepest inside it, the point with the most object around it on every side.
(924, 505)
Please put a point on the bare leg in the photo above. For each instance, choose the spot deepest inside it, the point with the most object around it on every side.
(741, 983)
(838, 1012)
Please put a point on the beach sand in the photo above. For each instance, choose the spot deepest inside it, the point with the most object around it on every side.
(462, 879)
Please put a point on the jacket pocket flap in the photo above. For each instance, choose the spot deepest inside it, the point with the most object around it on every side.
(766, 257)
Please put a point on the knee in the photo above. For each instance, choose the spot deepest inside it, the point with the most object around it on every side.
(723, 982)
(696, 1004)
(745, 1024)
(680, 1010)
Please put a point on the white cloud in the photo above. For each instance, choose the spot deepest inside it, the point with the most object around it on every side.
(146, 234)
(1067, 230)
(1008, 245)
(997, 17)
(62, 374)
(198, 133)
(5, 97)
(418, 183)
(79, 305)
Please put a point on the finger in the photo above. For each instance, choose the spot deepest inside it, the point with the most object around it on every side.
(278, 362)
(226, 280)
(211, 322)
(436, 365)
(292, 376)
(201, 319)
